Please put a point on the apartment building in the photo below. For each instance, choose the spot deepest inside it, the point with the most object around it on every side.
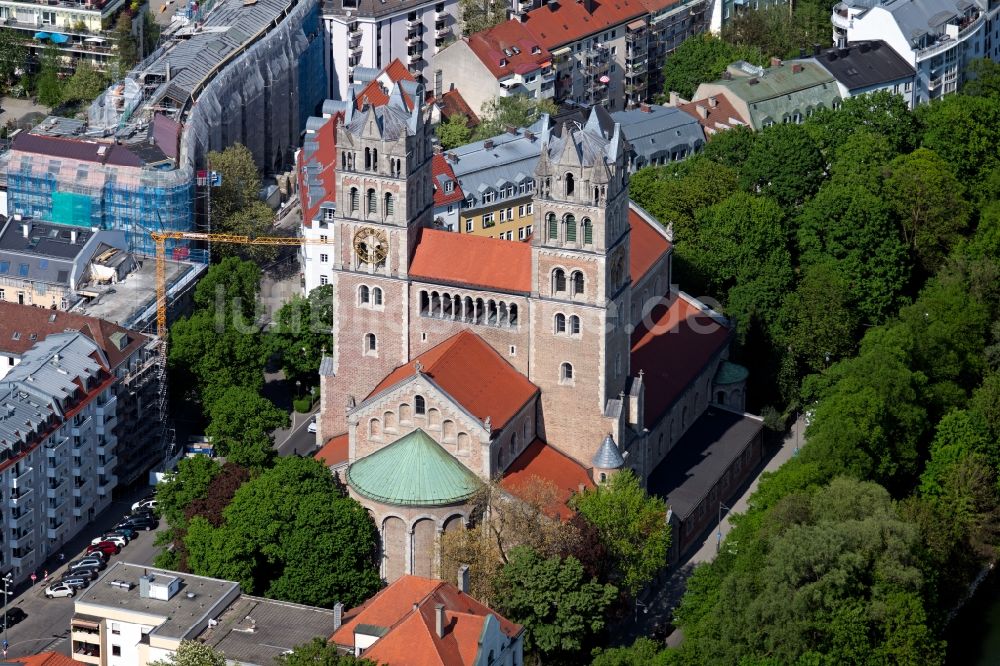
(79, 29)
(659, 135)
(503, 61)
(936, 37)
(373, 33)
(45, 264)
(134, 615)
(448, 196)
(867, 67)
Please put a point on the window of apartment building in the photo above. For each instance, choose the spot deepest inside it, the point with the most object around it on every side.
(2, 295)
(527, 231)
(451, 208)
(48, 18)
(323, 258)
(116, 650)
(449, 186)
(503, 215)
(324, 239)
(510, 213)
(528, 208)
(116, 628)
(328, 214)
(468, 226)
(488, 197)
(510, 235)
(324, 280)
(520, 233)
(487, 220)
(520, 210)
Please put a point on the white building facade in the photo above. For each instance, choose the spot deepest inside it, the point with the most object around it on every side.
(937, 37)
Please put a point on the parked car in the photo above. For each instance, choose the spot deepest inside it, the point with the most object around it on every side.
(92, 561)
(91, 573)
(146, 503)
(312, 425)
(75, 581)
(15, 615)
(106, 547)
(126, 532)
(59, 590)
(113, 538)
(140, 523)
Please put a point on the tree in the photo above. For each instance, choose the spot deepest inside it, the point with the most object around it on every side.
(48, 85)
(963, 131)
(783, 163)
(241, 416)
(193, 653)
(150, 33)
(191, 480)
(320, 652)
(927, 196)
(454, 131)
(85, 84)
(13, 56)
(983, 78)
(126, 47)
(303, 330)
(880, 113)
(696, 60)
(644, 652)
(240, 186)
(219, 494)
(775, 31)
(552, 598)
(479, 15)
(291, 533)
(230, 282)
(732, 147)
(256, 219)
(500, 113)
(632, 525)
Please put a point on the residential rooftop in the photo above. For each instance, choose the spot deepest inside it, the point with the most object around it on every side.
(658, 133)
(864, 64)
(508, 49)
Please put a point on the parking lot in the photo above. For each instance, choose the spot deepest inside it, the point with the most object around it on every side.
(47, 624)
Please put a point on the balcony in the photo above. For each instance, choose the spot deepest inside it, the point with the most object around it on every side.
(54, 443)
(22, 542)
(54, 532)
(20, 498)
(24, 559)
(21, 477)
(413, 22)
(637, 36)
(87, 652)
(636, 69)
(54, 486)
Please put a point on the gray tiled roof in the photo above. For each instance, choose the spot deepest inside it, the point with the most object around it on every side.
(920, 17)
(660, 131)
(608, 456)
(865, 64)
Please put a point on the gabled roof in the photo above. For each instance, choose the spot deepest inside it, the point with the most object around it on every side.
(46, 659)
(673, 351)
(335, 451)
(21, 326)
(76, 149)
(317, 170)
(715, 114)
(442, 174)
(472, 373)
(509, 48)
(864, 64)
(412, 471)
(377, 90)
(449, 258)
(567, 21)
(452, 103)
(648, 242)
(541, 461)
(404, 614)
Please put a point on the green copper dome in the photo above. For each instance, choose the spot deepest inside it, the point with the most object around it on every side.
(730, 373)
(412, 471)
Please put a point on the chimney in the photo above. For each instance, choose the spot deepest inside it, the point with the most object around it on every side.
(675, 98)
(645, 108)
(713, 101)
(865, 47)
(338, 615)
(512, 129)
(702, 111)
(72, 237)
(775, 62)
(463, 579)
(26, 228)
(817, 49)
(796, 68)
(439, 619)
(843, 51)
(488, 144)
(727, 75)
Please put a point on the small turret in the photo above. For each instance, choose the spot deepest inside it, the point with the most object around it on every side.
(607, 461)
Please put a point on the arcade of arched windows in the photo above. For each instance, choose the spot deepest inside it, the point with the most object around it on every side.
(466, 309)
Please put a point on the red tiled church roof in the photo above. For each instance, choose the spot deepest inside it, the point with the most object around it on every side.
(459, 259)
(647, 244)
(405, 610)
(497, 44)
(674, 351)
(335, 451)
(541, 461)
(474, 374)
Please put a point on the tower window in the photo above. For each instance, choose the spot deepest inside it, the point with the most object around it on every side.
(558, 280)
(574, 325)
(570, 222)
(376, 296)
(560, 323)
(419, 406)
(588, 231)
(577, 283)
(569, 185)
(553, 226)
(566, 373)
(364, 295)
(372, 204)
(388, 204)
(371, 345)
(354, 200)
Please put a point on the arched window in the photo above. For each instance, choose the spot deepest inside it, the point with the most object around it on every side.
(371, 344)
(577, 279)
(405, 413)
(374, 159)
(588, 231)
(569, 184)
(354, 200)
(570, 222)
(574, 325)
(372, 203)
(419, 406)
(566, 372)
(376, 296)
(368, 159)
(513, 314)
(558, 280)
(560, 323)
(374, 428)
(553, 225)
(364, 295)
(388, 208)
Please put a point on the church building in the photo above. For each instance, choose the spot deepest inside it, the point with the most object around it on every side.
(457, 359)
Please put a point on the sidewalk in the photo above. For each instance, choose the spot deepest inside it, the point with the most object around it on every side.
(657, 612)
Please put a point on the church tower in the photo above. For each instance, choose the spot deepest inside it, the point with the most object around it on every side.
(581, 281)
(384, 197)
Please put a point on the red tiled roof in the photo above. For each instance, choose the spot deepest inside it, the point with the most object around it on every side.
(452, 103)
(541, 461)
(440, 169)
(325, 156)
(406, 609)
(474, 261)
(493, 45)
(396, 71)
(672, 352)
(569, 21)
(76, 149)
(378, 89)
(46, 659)
(27, 320)
(474, 374)
(335, 451)
(647, 244)
(717, 118)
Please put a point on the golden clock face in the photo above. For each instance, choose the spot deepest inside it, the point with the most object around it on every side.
(370, 245)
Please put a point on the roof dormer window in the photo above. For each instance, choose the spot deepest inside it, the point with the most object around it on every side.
(503, 62)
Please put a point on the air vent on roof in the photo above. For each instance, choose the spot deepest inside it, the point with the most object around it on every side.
(101, 150)
(52, 317)
(16, 336)
(122, 584)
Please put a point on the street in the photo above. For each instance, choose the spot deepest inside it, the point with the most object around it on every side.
(46, 627)
(297, 439)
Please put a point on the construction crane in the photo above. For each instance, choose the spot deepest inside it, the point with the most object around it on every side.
(160, 238)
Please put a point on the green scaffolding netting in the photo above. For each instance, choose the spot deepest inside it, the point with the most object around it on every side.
(71, 208)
